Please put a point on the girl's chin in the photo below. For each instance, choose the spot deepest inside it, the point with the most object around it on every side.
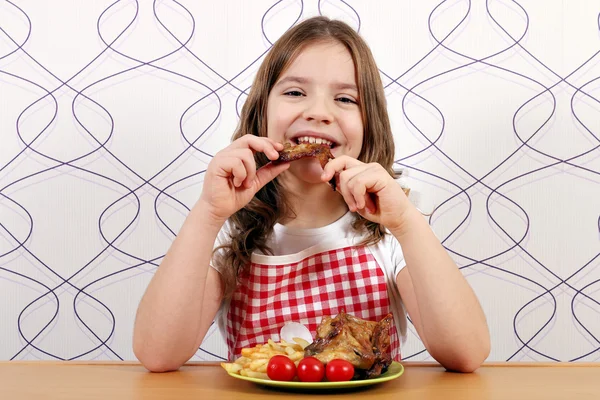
(308, 170)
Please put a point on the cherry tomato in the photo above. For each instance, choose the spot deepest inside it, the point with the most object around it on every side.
(281, 368)
(339, 370)
(310, 369)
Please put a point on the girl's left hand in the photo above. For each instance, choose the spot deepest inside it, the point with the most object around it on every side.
(369, 190)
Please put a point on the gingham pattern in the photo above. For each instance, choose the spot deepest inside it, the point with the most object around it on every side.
(323, 284)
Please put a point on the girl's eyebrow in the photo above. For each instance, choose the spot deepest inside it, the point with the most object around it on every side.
(344, 86)
(304, 81)
(293, 79)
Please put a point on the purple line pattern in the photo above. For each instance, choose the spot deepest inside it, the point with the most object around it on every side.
(111, 111)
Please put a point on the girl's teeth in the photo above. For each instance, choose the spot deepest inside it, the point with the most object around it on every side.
(310, 139)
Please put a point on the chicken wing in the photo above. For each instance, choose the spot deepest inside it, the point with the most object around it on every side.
(296, 152)
(365, 344)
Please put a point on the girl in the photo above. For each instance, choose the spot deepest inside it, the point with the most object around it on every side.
(288, 247)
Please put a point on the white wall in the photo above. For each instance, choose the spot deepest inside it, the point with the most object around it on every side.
(108, 119)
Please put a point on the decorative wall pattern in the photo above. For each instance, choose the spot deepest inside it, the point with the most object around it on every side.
(110, 112)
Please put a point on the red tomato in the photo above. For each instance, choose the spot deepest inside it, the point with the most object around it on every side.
(310, 369)
(281, 368)
(339, 370)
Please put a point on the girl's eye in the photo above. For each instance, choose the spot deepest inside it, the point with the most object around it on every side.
(294, 93)
(347, 100)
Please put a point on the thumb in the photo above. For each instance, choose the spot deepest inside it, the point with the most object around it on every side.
(267, 173)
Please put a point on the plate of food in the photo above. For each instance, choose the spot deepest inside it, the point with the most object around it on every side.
(347, 352)
(394, 371)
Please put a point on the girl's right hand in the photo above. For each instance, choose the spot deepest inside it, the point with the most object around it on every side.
(231, 179)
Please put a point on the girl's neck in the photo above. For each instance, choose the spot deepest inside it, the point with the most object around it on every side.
(313, 206)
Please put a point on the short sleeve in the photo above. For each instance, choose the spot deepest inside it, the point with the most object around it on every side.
(223, 237)
(396, 255)
(388, 254)
(390, 257)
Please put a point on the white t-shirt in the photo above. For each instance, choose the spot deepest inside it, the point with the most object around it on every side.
(286, 242)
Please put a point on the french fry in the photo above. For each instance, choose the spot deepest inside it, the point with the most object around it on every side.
(232, 368)
(256, 364)
(275, 346)
(254, 360)
(259, 375)
(242, 360)
(303, 343)
(297, 356)
(247, 352)
(260, 355)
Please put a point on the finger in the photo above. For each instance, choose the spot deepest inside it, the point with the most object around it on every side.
(360, 184)
(339, 164)
(347, 181)
(372, 184)
(370, 204)
(235, 168)
(247, 158)
(345, 189)
(265, 145)
(267, 173)
(358, 190)
(349, 199)
(251, 140)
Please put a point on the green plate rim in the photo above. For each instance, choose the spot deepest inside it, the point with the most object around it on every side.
(394, 371)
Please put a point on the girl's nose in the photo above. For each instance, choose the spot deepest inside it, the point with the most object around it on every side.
(318, 110)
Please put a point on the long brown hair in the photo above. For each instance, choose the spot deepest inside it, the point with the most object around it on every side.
(252, 225)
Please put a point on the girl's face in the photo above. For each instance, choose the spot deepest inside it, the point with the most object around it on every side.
(316, 100)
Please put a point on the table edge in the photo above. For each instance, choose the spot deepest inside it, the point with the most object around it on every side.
(408, 364)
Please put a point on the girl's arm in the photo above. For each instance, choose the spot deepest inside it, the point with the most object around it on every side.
(439, 300)
(182, 298)
(184, 295)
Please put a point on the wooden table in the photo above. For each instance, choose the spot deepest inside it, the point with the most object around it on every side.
(113, 381)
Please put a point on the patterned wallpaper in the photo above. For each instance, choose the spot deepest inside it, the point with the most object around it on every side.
(111, 110)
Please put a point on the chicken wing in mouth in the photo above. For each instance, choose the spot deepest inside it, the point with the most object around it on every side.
(364, 344)
(296, 152)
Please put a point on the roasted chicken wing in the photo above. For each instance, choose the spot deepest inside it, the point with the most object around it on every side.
(296, 152)
(365, 344)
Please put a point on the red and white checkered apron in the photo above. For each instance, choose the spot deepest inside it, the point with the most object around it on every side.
(346, 279)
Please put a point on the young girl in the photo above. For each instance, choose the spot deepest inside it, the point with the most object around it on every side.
(288, 247)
